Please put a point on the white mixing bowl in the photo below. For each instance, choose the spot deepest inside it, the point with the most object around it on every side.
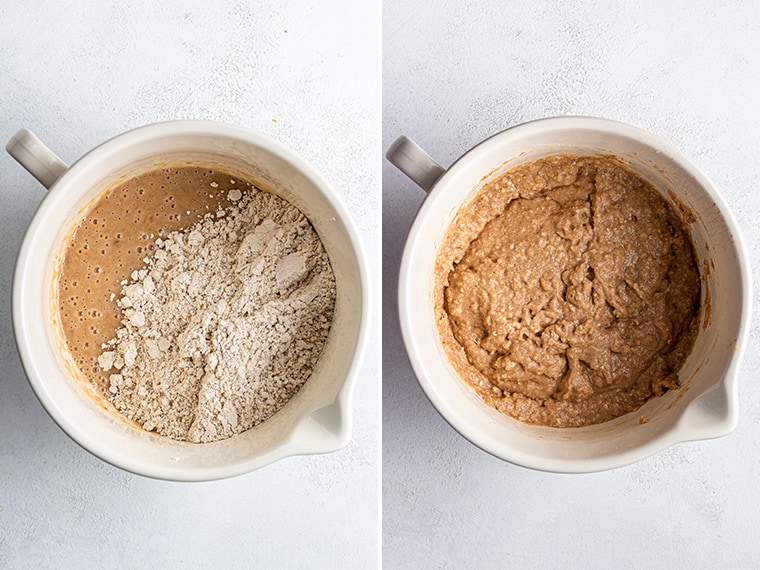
(316, 420)
(704, 407)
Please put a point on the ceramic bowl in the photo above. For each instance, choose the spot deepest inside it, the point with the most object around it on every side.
(316, 420)
(706, 406)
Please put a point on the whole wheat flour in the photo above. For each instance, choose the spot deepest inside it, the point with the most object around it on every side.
(225, 322)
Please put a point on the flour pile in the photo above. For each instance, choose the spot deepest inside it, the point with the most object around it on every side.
(224, 324)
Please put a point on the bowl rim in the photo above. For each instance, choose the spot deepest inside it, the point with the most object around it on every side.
(407, 301)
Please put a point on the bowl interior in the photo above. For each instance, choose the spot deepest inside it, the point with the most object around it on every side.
(86, 415)
(710, 366)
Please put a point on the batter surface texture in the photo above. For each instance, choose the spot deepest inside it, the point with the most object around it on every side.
(568, 292)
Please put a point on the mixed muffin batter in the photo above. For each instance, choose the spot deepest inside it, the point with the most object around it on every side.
(568, 292)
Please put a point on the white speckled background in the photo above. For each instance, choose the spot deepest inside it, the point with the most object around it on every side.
(78, 73)
(688, 72)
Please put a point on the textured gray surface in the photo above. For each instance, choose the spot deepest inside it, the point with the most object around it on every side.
(453, 75)
(78, 73)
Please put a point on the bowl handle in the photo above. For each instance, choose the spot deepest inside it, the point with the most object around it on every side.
(409, 158)
(38, 159)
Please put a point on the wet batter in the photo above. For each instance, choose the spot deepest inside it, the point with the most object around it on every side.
(112, 240)
(568, 292)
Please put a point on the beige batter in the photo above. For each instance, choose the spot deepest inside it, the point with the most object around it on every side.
(112, 241)
(569, 292)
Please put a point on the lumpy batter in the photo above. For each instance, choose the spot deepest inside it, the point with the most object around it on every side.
(568, 292)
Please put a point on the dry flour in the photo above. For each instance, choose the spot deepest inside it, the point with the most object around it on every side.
(224, 324)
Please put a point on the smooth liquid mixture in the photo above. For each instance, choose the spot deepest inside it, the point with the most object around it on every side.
(112, 241)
